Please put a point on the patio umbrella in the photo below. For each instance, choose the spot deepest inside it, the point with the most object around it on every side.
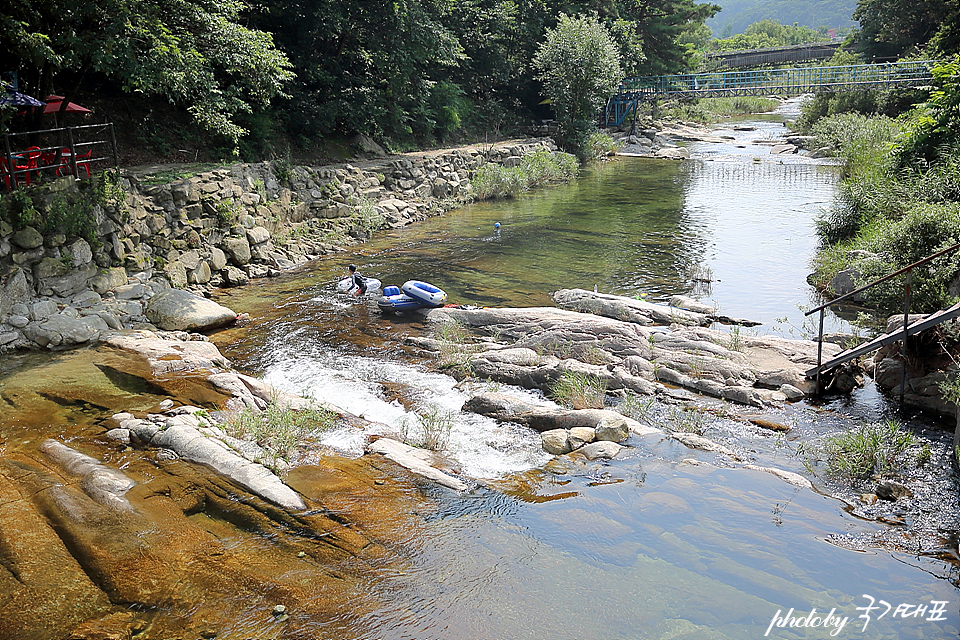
(54, 102)
(12, 98)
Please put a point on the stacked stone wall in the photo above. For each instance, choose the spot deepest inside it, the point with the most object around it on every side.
(221, 227)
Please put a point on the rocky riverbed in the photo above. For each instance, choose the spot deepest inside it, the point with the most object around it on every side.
(155, 522)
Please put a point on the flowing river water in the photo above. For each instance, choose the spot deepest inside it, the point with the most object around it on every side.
(643, 546)
(650, 545)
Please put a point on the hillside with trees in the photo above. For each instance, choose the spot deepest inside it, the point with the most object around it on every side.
(737, 15)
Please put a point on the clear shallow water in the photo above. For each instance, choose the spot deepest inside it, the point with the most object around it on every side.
(645, 546)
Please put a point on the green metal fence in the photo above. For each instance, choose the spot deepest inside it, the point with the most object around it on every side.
(861, 77)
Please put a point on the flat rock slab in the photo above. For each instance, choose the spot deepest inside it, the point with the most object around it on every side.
(178, 310)
(501, 406)
(169, 356)
(535, 347)
(414, 460)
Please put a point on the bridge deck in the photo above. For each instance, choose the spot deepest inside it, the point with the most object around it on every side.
(763, 82)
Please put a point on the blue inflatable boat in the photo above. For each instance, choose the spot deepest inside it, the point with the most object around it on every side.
(395, 301)
(426, 293)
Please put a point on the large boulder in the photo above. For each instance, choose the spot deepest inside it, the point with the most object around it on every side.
(14, 288)
(177, 310)
(27, 238)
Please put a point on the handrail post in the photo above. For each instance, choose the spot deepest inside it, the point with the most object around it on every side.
(113, 142)
(73, 153)
(903, 348)
(820, 349)
(9, 154)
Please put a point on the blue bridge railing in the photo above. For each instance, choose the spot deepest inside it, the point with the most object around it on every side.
(861, 77)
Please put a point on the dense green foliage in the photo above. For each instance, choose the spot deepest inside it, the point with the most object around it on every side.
(293, 72)
(892, 28)
(887, 102)
(769, 33)
(737, 15)
(535, 169)
(193, 52)
(74, 214)
(669, 31)
(899, 200)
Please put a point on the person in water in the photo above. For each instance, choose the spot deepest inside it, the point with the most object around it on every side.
(358, 280)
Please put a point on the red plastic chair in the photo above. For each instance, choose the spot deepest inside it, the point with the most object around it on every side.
(19, 164)
(33, 161)
(64, 167)
(83, 160)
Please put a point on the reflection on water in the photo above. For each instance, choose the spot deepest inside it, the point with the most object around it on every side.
(685, 552)
(663, 542)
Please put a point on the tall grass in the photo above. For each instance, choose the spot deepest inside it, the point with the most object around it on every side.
(428, 428)
(278, 430)
(579, 391)
(871, 447)
(494, 181)
(638, 407)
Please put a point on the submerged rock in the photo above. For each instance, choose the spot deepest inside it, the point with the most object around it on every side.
(418, 461)
(599, 450)
(892, 490)
(102, 484)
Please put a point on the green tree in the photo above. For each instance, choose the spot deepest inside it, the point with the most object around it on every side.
(579, 66)
(367, 67)
(769, 33)
(933, 131)
(194, 52)
(667, 30)
(891, 28)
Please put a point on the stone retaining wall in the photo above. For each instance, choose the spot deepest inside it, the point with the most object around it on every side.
(217, 228)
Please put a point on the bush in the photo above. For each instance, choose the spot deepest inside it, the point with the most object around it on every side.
(601, 145)
(579, 391)
(536, 169)
(868, 448)
(496, 181)
(369, 218)
(924, 230)
(18, 209)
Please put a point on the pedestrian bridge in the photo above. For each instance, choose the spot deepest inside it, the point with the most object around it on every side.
(633, 91)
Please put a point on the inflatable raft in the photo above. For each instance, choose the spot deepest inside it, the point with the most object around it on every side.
(347, 285)
(425, 292)
(395, 301)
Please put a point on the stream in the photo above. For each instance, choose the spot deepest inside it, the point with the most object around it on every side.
(653, 544)
(661, 543)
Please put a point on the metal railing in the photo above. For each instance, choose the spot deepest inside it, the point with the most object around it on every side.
(908, 270)
(98, 140)
(763, 82)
